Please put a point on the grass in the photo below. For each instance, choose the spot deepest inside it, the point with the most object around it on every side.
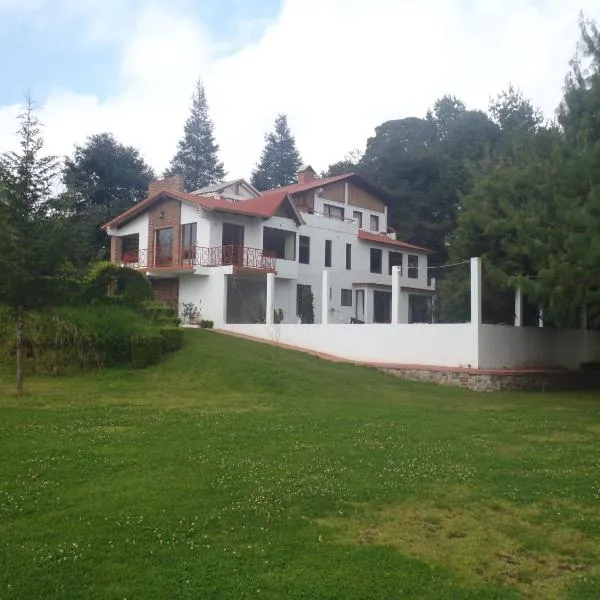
(239, 470)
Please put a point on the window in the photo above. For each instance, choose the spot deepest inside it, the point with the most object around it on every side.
(304, 250)
(333, 212)
(396, 261)
(281, 242)
(348, 256)
(413, 266)
(346, 298)
(303, 294)
(188, 242)
(376, 260)
(374, 223)
(357, 216)
(327, 253)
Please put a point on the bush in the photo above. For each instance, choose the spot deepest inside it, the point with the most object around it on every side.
(206, 324)
(104, 279)
(146, 349)
(159, 312)
(173, 338)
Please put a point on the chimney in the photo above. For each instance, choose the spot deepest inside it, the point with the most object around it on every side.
(305, 174)
(170, 184)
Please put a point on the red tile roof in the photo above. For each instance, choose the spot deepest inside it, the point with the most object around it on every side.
(264, 206)
(381, 238)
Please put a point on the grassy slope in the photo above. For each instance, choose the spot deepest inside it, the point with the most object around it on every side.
(238, 470)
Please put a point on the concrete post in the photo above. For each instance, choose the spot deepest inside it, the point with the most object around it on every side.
(270, 298)
(518, 307)
(368, 316)
(476, 285)
(396, 295)
(325, 298)
(404, 308)
(540, 317)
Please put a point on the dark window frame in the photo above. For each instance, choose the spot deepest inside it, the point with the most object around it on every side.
(327, 211)
(376, 218)
(399, 264)
(412, 270)
(359, 218)
(302, 249)
(348, 257)
(373, 253)
(328, 253)
(345, 297)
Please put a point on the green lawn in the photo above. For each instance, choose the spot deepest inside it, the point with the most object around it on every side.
(239, 470)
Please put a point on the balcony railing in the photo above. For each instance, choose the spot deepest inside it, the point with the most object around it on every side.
(199, 256)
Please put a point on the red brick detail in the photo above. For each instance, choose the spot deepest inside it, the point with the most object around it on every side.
(306, 175)
(116, 249)
(165, 214)
(166, 290)
(170, 184)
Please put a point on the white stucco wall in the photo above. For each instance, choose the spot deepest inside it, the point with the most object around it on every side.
(505, 347)
(138, 226)
(189, 213)
(436, 345)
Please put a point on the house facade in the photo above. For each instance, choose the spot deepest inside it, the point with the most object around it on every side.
(215, 247)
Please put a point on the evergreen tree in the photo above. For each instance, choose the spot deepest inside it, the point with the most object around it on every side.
(103, 178)
(197, 152)
(280, 159)
(34, 237)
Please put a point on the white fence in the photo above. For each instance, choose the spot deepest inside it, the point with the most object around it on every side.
(456, 345)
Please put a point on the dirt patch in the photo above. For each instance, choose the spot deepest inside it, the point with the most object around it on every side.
(501, 544)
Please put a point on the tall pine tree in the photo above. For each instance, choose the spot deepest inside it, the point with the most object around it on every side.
(197, 152)
(280, 159)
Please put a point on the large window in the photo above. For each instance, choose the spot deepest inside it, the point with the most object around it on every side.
(396, 261)
(163, 246)
(304, 250)
(327, 253)
(374, 223)
(348, 256)
(357, 216)
(346, 299)
(376, 255)
(413, 266)
(333, 212)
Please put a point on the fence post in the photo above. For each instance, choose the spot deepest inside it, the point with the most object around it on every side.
(395, 295)
(325, 298)
(518, 307)
(270, 295)
(476, 291)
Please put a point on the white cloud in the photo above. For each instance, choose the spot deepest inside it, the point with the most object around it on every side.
(337, 67)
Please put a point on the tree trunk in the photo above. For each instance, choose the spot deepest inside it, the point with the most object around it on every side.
(20, 350)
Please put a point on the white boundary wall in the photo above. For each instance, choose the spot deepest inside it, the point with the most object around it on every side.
(505, 347)
(440, 345)
(417, 344)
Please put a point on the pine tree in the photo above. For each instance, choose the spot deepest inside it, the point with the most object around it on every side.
(280, 159)
(197, 152)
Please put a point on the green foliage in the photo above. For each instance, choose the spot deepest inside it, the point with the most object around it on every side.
(206, 324)
(197, 152)
(159, 311)
(105, 277)
(280, 159)
(146, 349)
(307, 306)
(103, 178)
(173, 338)
(190, 313)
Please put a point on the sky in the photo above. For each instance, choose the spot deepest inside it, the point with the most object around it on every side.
(338, 68)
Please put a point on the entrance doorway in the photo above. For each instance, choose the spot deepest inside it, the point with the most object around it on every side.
(382, 307)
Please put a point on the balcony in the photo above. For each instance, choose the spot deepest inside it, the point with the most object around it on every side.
(166, 258)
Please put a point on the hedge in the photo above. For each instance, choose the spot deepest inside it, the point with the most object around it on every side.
(146, 349)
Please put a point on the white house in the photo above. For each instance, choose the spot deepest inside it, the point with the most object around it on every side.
(215, 247)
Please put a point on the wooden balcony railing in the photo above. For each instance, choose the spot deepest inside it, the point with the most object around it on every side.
(199, 256)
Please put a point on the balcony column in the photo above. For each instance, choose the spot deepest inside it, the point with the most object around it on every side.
(518, 307)
(396, 295)
(476, 291)
(325, 298)
(270, 298)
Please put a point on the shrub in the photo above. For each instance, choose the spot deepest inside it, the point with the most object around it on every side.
(146, 349)
(106, 279)
(206, 324)
(190, 313)
(173, 338)
(159, 312)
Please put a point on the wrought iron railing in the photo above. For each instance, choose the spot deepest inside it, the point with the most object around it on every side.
(199, 256)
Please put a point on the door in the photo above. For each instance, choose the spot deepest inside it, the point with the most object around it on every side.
(232, 242)
(382, 307)
(163, 247)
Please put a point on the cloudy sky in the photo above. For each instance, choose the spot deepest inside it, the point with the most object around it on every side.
(337, 67)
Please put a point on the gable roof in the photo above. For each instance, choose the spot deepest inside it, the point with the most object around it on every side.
(382, 238)
(221, 185)
(264, 206)
(355, 178)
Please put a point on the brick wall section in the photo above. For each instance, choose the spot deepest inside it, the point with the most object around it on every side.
(116, 249)
(166, 290)
(166, 213)
(173, 184)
